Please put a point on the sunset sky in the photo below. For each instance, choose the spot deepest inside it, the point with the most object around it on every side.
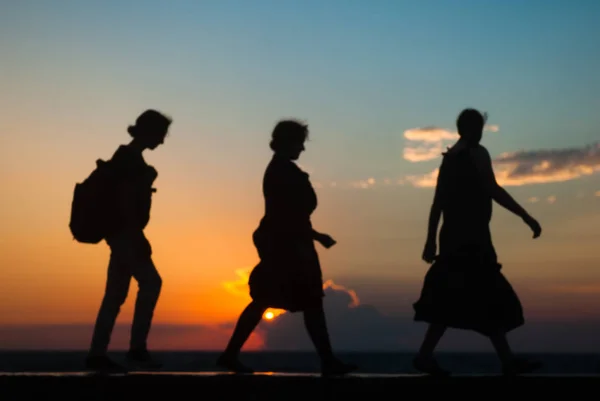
(380, 84)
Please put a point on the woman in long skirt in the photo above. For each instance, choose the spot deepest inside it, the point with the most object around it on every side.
(464, 288)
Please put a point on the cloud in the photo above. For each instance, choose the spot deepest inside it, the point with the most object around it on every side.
(367, 183)
(372, 182)
(534, 166)
(425, 180)
(422, 153)
(364, 184)
(597, 193)
(547, 165)
(239, 287)
(352, 326)
(431, 142)
(534, 199)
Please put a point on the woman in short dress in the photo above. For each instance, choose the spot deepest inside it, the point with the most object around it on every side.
(288, 275)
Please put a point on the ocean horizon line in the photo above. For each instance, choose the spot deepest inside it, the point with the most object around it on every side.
(283, 351)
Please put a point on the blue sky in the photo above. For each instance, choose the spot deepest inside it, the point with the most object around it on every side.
(360, 71)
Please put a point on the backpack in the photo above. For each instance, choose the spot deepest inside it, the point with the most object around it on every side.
(94, 205)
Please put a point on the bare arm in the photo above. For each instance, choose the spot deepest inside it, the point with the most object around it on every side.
(483, 163)
(430, 250)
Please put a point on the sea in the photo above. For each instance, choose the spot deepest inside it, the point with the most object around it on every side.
(376, 363)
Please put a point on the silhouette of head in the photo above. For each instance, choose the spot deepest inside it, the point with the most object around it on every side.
(470, 125)
(150, 129)
(288, 138)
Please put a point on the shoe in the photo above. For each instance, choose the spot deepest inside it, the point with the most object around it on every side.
(429, 366)
(142, 359)
(335, 367)
(519, 366)
(103, 364)
(232, 364)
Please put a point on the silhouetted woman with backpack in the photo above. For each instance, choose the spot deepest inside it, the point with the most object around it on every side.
(130, 251)
(289, 273)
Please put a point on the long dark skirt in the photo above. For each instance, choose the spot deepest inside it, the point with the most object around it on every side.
(288, 275)
(468, 291)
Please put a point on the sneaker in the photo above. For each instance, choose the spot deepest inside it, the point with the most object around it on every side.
(335, 367)
(429, 366)
(519, 366)
(142, 359)
(233, 364)
(103, 364)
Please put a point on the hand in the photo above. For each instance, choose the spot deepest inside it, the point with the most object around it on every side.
(534, 225)
(429, 252)
(325, 240)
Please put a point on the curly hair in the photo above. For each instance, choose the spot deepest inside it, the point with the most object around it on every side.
(288, 132)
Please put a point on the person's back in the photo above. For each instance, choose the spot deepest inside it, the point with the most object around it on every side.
(139, 177)
(466, 205)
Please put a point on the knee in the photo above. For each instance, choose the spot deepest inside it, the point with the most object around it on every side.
(113, 300)
(152, 284)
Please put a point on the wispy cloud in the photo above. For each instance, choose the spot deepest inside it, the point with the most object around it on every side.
(238, 287)
(425, 180)
(551, 199)
(535, 166)
(427, 143)
(524, 167)
(547, 165)
(366, 183)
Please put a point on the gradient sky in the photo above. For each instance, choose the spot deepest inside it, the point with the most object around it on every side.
(380, 84)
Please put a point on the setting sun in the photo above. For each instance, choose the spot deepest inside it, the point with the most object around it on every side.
(271, 314)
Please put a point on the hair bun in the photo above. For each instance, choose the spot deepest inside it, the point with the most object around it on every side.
(131, 130)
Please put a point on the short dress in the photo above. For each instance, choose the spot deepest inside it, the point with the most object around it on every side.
(288, 275)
